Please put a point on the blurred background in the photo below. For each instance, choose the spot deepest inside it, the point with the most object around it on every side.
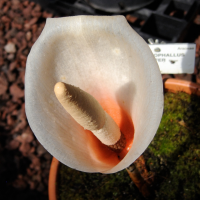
(24, 163)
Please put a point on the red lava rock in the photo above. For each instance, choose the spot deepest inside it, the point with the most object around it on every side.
(10, 47)
(7, 26)
(27, 135)
(6, 7)
(17, 25)
(22, 47)
(47, 15)
(11, 33)
(21, 77)
(40, 150)
(32, 185)
(131, 18)
(35, 162)
(28, 35)
(11, 76)
(10, 107)
(23, 62)
(47, 156)
(5, 19)
(1, 33)
(14, 144)
(187, 77)
(1, 3)
(197, 20)
(19, 20)
(22, 57)
(32, 150)
(32, 4)
(11, 14)
(1, 63)
(1, 53)
(34, 28)
(16, 91)
(26, 3)
(40, 187)
(27, 12)
(19, 184)
(16, 4)
(15, 41)
(25, 148)
(22, 123)
(28, 24)
(11, 56)
(3, 83)
(14, 113)
(2, 41)
(36, 177)
(36, 13)
(29, 172)
(37, 8)
(10, 120)
(12, 66)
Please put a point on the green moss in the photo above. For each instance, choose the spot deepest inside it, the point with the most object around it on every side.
(174, 156)
(81, 186)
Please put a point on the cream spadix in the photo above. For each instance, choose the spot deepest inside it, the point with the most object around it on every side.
(86, 110)
(106, 58)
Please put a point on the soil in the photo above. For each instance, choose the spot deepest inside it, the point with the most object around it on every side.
(172, 161)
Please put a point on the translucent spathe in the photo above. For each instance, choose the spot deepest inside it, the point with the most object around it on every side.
(105, 57)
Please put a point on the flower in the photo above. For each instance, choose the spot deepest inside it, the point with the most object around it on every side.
(105, 57)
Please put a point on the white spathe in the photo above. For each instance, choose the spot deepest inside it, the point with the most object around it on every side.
(97, 54)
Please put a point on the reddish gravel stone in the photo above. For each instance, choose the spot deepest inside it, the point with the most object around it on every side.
(11, 14)
(5, 9)
(29, 172)
(12, 112)
(10, 47)
(5, 19)
(11, 56)
(40, 150)
(27, 12)
(27, 136)
(26, 3)
(10, 107)
(28, 35)
(17, 25)
(19, 184)
(32, 185)
(14, 144)
(7, 26)
(3, 83)
(29, 23)
(11, 33)
(16, 91)
(12, 66)
(32, 4)
(10, 120)
(25, 148)
(11, 76)
(47, 15)
(36, 13)
(2, 3)
(35, 162)
(1, 63)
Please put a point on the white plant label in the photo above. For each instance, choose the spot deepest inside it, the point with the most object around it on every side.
(177, 58)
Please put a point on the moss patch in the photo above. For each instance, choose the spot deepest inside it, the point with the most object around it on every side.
(174, 156)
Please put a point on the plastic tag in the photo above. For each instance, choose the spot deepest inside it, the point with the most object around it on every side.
(175, 58)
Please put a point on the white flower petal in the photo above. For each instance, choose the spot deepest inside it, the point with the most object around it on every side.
(105, 57)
